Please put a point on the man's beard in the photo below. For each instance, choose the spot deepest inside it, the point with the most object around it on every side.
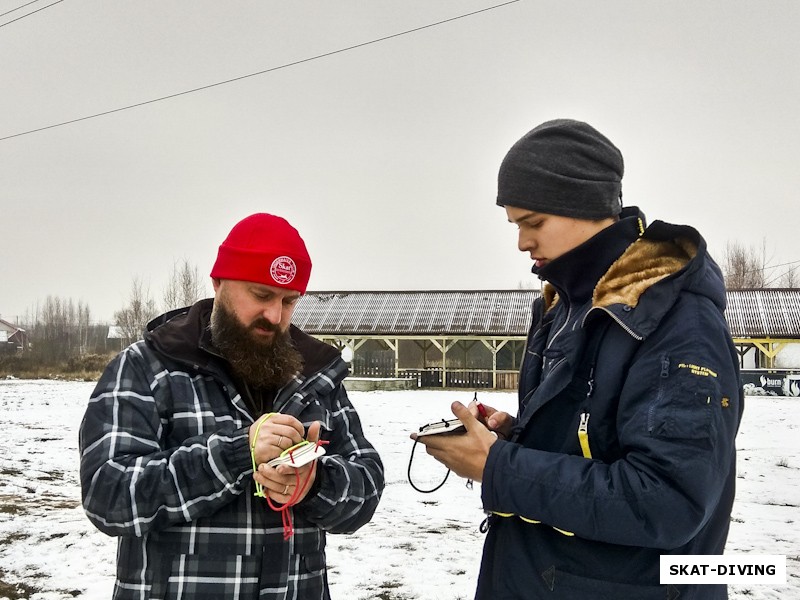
(268, 364)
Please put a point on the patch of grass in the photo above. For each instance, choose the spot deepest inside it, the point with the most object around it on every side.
(15, 591)
(30, 366)
(11, 538)
(10, 509)
(406, 546)
(786, 504)
(387, 592)
(458, 572)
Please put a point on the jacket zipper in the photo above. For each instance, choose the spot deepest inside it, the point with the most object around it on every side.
(583, 435)
(630, 331)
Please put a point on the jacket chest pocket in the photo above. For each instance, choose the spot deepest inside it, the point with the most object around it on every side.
(683, 406)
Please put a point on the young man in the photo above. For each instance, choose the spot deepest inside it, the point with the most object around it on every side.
(629, 397)
(178, 421)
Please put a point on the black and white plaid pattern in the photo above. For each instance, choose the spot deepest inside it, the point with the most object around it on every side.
(165, 465)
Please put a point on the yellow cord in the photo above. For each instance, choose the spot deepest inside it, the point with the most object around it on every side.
(534, 522)
(259, 487)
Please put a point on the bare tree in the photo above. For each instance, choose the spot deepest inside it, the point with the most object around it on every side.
(84, 322)
(141, 308)
(184, 287)
(743, 267)
(790, 279)
(59, 329)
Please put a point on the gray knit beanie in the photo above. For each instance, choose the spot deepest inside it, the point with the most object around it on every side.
(563, 167)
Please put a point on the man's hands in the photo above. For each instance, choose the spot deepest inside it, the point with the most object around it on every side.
(465, 454)
(275, 435)
(499, 422)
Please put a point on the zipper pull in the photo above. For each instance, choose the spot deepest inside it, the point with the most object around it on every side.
(583, 435)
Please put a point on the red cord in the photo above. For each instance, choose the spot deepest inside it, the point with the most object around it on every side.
(286, 517)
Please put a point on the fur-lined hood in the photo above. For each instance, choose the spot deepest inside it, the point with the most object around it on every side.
(642, 284)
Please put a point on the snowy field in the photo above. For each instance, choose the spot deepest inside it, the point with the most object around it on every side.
(418, 546)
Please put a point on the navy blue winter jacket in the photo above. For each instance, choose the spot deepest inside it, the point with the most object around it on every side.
(624, 452)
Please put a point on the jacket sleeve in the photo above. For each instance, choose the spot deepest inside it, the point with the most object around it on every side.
(678, 414)
(131, 483)
(350, 476)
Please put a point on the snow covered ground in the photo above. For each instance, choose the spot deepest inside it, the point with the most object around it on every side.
(418, 546)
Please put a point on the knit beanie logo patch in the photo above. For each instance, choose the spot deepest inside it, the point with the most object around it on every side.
(283, 270)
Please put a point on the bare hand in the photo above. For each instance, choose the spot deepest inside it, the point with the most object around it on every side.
(280, 483)
(276, 433)
(500, 422)
(465, 454)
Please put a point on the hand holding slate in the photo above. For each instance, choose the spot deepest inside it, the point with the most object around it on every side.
(464, 454)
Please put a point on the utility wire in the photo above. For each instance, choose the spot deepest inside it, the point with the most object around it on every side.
(30, 13)
(794, 262)
(284, 66)
(8, 12)
(782, 275)
(769, 267)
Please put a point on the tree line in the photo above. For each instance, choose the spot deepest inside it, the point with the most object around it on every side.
(62, 337)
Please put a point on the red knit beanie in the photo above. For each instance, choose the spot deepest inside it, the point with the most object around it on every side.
(265, 249)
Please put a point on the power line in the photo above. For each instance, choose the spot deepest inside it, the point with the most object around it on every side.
(784, 274)
(8, 12)
(30, 13)
(284, 66)
(769, 267)
(794, 262)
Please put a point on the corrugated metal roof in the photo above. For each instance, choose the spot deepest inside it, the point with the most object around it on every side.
(416, 313)
(751, 313)
(764, 313)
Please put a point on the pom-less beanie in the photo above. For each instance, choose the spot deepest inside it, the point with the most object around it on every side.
(264, 249)
(563, 167)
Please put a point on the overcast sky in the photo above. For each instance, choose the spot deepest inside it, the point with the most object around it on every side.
(384, 156)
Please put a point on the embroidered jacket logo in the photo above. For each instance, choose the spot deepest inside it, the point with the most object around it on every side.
(698, 370)
(283, 270)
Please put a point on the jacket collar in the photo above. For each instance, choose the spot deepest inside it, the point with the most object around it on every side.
(642, 284)
(575, 274)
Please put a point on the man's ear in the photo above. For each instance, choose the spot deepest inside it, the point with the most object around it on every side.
(215, 281)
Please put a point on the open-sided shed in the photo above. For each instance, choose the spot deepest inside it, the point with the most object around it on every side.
(475, 338)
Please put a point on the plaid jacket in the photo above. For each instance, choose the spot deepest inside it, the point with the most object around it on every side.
(165, 465)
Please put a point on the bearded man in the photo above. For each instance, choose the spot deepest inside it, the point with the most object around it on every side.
(180, 427)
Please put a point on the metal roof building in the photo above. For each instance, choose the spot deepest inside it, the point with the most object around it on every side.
(480, 313)
(764, 320)
(764, 313)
